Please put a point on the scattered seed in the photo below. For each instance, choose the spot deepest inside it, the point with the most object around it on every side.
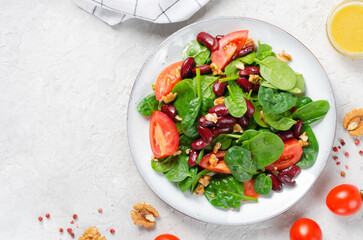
(61, 230)
(335, 149)
(356, 142)
(40, 219)
(339, 147)
(72, 222)
(346, 154)
(47, 215)
(72, 235)
(342, 142)
(335, 158)
(342, 173)
(361, 152)
(69, 230)
(112, 231)
(338, 163)
(346, 167)
(75, 216)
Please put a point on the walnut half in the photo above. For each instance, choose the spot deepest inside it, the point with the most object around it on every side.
(144, 215)
(353, 122)
(92, 234)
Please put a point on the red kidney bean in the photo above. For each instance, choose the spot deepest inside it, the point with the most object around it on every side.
(245, 50)
(219, 37)
(204, 69)
(205, 133)
(235, 56)
(199, 144)
(220, 110)
(293, 109)
(205, 123)
(286, 179)
(296, 129)
(216, 130)
(219, 87)
(244, 84)
(256, 87)
(251, 154)
(225, 121)
(208, 41)
(287, 135)
(169, 110)
(250, 109)
(193, 156)
(249, 70)
(186, 70)
(292, 171)
(243, 121)
(276, 184)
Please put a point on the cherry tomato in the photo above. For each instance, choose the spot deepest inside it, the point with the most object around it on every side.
(228, 45)
(166, 237)
(305, 229)
(249, 189)
(291, 155)
(221, 167)
(344, 200)
(163, 134)
(167, 80)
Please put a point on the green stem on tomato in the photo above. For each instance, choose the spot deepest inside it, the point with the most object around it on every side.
(227, 79)
(199, 88)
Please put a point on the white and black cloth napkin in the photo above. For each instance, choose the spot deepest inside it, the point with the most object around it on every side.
(159, 11)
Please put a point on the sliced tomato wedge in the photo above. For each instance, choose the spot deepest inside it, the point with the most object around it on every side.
(221, 167)
(291, 155)
(228, 45)
(249, 189)
(167, 80)
(163, 134)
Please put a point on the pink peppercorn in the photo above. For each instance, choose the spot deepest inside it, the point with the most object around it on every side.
(40, 219)
(112, 231)
(346, 154)
(360, 152)
(47, 215)
(335, 149)
(356, 142)
(100, 210)
(69, 230)
(75, 216)
(61, 230)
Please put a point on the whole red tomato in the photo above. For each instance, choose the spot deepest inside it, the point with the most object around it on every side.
(166, 237)
(305, 229)
(344, 200)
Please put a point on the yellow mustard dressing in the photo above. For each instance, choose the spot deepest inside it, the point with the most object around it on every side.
(347, 28)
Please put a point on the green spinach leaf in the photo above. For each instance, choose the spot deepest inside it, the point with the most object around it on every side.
(266, 148)
(185, 93)
(240, 163)
(196, 179)
(262, 184)
(187, 182)
(275, 101)
(248, 134)
(312, 111)
(277, 72)
(163, 165)
(310, 152)
(206, 82)
(277, 121)
(299, 86)
(189, 123)
(235, 102)
(302, 101)
(194, 49)
(206, 104)
(257, 116)
(223, 139)
(180, 170)
(186, 141)
(225, 191)
(264, 51)
(232, 70)
(148, 105)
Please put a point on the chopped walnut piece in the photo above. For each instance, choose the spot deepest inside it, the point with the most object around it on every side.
(213, 160)
(262, 117)
(205, 180)
(237, 128)
(92, 234)
(144, 215)
(304, 137)
(240, 65)
(187, 151)
(303, 143)
(212, 195)
(177, 118)
(215, 69)
(212, 117)
(199, 189)
(250, 41)
(353, 122)
(284, 56)
(219, 100)
(216, 147)
(169, 98)
(177, 153)
(255, 79)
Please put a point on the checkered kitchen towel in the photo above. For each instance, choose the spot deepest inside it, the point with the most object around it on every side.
(159, 11)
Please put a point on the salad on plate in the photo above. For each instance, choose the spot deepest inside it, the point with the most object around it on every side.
(230, 120)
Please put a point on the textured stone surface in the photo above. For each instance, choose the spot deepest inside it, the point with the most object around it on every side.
(65, 80)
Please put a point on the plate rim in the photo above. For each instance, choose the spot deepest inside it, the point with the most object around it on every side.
(216, 19)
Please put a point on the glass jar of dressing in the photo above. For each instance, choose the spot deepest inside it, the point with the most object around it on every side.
(345, 28)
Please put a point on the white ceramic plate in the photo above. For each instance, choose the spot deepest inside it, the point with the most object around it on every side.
(169, 51)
